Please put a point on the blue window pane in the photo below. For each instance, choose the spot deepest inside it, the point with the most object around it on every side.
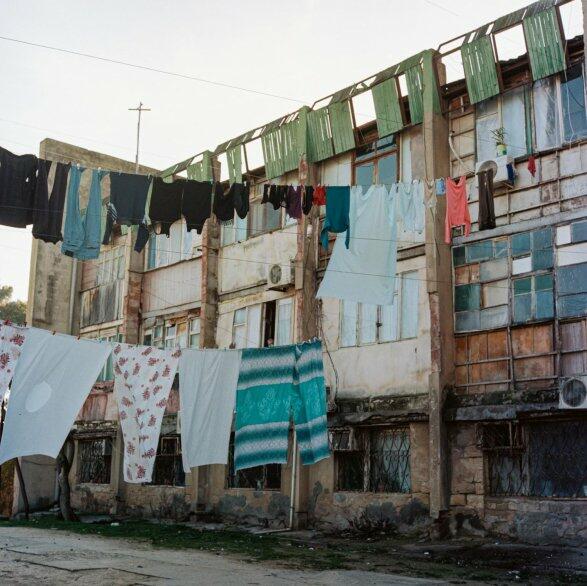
(494, 269)
(500, 248)
(467, 297)
(542, 249)
(494, 317)
(522, 286)
(573, 102)
(520, 244)
(364, 175)
(572, 305)
(522, 308)
(543, 282)
(466, 321)
(572, 279)
(387, 167)
(458, 256)
(544, 304)
(479, 251)
(579, 231)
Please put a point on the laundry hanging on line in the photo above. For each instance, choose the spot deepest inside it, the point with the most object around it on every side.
(12, 339)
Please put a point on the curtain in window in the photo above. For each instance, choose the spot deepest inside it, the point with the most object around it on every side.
(546, 121)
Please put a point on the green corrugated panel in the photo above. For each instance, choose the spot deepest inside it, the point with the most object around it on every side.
(387, 108)
(271, 143)
(415, 84)
(480, 69)
(289, 150)
(319, 136)
(545, 47)
(201, 171)
(235, 164)
(341, 124)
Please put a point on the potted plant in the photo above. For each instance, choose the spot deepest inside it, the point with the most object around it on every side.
(499, 137)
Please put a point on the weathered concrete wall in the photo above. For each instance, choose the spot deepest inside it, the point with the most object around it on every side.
(39, 474)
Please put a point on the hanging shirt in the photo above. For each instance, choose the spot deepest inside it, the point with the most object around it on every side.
(410, 202)
(223, 204)
(365, 271)
(142, 380)
(307, 200)
(486, 207)
(92, 219)
(196, 205)
(207, 391)
(274, 194)
(128, 199)
(11, 340)
(53, 377)
(165, 204)
(73, 230)
(17, 188)
(48, 216)
(240, 195)
(274, 384)
(319, 195)
(293, 202)
(337, 214)
(457, 207)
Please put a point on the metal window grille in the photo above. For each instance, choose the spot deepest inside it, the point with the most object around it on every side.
(95, 459)
(546, 459)
(266, 477)
(376, 460)
(168, 469)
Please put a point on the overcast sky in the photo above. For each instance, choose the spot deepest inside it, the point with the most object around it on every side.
(303, 50)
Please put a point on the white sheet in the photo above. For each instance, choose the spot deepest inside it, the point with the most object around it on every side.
(11, 341)
(53, 377)
(207, 391)
(366, 271)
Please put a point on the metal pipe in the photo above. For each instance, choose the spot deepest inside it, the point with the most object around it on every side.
(294, 473)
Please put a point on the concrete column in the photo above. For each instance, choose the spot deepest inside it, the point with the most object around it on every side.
(438, 278)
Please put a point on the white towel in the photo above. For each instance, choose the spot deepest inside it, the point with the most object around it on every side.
(53, 377)
(207, 391)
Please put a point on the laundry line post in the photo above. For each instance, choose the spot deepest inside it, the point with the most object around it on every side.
(294, 473)
(140, 109)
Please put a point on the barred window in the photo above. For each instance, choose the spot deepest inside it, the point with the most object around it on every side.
(375, 460)
(168, 469)
(94, 460)
(266, 477)
(540, 459)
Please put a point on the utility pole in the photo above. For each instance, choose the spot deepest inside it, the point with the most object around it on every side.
(140, 109)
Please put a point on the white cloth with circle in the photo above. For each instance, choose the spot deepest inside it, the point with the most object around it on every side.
(53, 377)
(11, 340)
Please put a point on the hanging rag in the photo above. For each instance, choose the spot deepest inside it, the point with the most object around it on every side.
(275, 384)
(18, 176)
(41, 198)
(165, 204)
(337, 214)
(307, 200)
(48, 216)
(319, 195)
(365, 271)
(207, 392)
(440, 186)
(142, 381)
(240, 195)
(92, 219)
(223, 204)
(275, 195)
(11, 340)
(410, 202)
(53, 377)
(293, 202)
(532, 165)
(196, 205)
(457, 207)
(486, 208)
(73, 228)
(128, 199)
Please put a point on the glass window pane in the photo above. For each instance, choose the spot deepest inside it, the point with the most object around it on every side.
(522, 286)
(409, 301)
(573, 98)
(494, 317)
(572, 279)
(387, 170)
(368, 324)
(364, 175)
(152, 257)
(228, 232)
(467, 297)
(487, 120)
(546, 120)
(273, 218)
(479, 251)
(521, 244)
(348, 323)
(522, 307)
(579, 231)
(544, 304)
(458, 256)
(240, 229)
(572, 305)
(514, 121)
(542, 249)
(466, 321)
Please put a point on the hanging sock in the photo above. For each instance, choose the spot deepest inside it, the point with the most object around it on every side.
(54, 375)
(457, 207)
(11, 340)
(142, 381)
(73, 230)
(48, 216)
(18, 177)
(207, 392)
(337, 214)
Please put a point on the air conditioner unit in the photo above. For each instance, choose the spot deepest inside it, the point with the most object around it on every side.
(499, 166)
(280, 276)
(573, 393)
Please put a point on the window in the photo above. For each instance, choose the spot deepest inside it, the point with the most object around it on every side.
(376, 460)
(536, 459)
(546, 114)
(573, 104)
(363, 324)
(176, 335)
(533, 298)
(487, 119)
(235, 232)
(168, 468)
(194, 340)
(246, 327)
(284, 321)
(158, 337)
(376, 163)
(239, 328)
(165, 250)
(266, 477)
(107, 372)
(94, 460)
(572, 289)
(170, 341)
(110, 265)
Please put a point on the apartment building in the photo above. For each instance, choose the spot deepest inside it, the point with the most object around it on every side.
(445, 409)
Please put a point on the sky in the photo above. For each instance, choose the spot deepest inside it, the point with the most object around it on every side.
(301, 50)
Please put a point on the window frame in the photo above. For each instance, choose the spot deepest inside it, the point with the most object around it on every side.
(107, 441)
(374, 158)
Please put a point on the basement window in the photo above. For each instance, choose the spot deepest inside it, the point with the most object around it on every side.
(266, 477)
(94, 460)
(168, 468)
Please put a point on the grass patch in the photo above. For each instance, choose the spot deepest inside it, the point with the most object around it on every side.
(245, 545)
